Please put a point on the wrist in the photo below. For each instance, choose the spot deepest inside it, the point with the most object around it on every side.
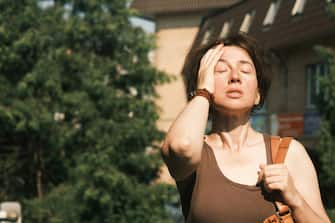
(297, 202)
(205, 86)
(203, 93)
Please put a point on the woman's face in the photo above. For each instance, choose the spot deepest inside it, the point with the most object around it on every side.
(236, 87)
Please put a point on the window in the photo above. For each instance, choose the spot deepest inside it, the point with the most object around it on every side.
(313, 71)
(272, 12)
(247, 21)
(206, 37)
(259, 119)
(298, 7)
(226, 29)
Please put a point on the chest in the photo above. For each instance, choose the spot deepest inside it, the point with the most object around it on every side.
(225, 189)
(241, 167)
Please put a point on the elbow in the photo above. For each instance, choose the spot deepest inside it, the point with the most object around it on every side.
(179, 147)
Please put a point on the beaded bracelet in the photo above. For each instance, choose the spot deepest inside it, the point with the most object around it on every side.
(204, 93)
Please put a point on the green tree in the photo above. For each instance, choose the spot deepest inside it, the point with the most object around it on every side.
(326, 147)
(77, 113)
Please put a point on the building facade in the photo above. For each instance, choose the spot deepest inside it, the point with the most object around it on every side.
(177, 25)
(290, 29)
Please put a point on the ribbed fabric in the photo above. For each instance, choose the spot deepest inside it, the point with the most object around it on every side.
(207, 196)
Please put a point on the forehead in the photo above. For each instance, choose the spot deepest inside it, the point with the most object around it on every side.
(235, 53)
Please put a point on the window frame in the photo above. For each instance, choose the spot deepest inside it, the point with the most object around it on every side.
(226, 28)
(206, 37)
(247, 21)
(312, 74)
(272, 13)
(298, 7)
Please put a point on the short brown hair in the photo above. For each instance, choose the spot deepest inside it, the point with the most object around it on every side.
(257, 53)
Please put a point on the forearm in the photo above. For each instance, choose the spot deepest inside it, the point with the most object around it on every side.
(303, 213)
(189, 127)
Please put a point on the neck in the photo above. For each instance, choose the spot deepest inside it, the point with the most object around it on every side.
(234, 129)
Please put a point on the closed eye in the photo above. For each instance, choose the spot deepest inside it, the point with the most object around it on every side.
(246, 69)
(221, 67)
(222, 70)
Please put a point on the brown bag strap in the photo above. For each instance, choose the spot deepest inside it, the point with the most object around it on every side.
(279, 148)
(275, 140)
(282, 150)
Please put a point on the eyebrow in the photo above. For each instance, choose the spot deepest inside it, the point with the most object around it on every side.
(245, 62)
(240, 61)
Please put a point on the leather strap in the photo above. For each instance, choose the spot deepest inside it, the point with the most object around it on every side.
(275, 219)
(205, 93)
(275, 140)
(282, 150)
(272, 219)
(279, 148)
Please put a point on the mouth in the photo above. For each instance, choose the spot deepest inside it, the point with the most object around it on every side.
(234, 93)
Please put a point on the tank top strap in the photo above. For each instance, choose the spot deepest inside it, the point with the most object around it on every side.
(187, 186)
(206, 154)
(207, 161)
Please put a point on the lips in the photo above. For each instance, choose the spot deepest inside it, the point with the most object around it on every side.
(234, 93)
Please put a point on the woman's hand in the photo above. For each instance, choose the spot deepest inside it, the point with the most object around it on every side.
(206, 69)
(277, 177)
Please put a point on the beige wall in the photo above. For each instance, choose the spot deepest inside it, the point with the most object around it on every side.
(291, 95)
(297, 59)
(277, 98)
(175, 35)
(288, 90)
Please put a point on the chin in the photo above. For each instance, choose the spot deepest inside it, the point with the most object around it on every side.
(232, 108)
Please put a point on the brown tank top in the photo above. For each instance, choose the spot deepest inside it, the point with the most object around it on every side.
(207, 196)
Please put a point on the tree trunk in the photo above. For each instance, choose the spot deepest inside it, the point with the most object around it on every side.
(39, 173)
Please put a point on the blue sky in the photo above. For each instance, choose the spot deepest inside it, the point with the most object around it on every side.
(147, 25)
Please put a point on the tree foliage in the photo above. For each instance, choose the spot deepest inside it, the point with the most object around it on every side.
(327, 130)
(326, 147)
(77, 113)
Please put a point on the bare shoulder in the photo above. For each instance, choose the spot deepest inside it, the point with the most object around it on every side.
(297, 154)
(299, 163)
(302, 170)
(211, 140)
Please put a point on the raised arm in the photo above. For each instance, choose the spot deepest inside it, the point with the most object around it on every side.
(183, 144)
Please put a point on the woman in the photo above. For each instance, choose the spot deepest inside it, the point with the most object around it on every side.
(227, 175)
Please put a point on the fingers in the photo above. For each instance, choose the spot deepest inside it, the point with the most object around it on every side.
(275, 177)
(215, 56)
(274, 170)
(212, 55)
(207, 67)
(260, 173)
(275, 182)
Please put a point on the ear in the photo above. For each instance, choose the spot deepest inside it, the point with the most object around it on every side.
(258, 98)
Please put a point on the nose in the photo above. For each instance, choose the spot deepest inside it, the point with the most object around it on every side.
(234, 77)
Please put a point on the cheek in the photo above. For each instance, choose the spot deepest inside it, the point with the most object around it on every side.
(253, 85)
(252, 89)
(220, 82)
